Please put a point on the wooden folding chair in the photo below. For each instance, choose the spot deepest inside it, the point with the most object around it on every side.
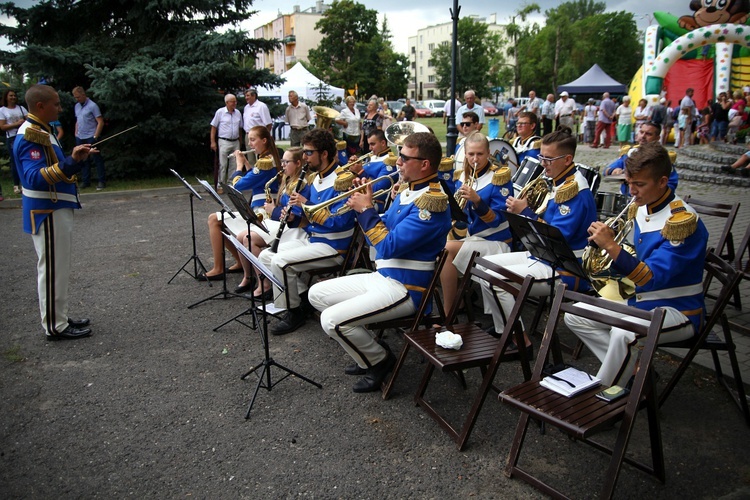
(583, 415)
(720, 270)
(725, 245)
(479, 348)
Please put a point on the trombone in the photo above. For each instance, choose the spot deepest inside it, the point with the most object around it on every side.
(348, 166)
(311, 210)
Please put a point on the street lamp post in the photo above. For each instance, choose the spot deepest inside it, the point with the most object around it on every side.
(452, 134)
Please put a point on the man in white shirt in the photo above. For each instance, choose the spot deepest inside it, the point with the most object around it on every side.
(297, 116)
(687, 102)
(447, 108)
(534, 105)
(470, 97)
(225, 136)
(255, 112)
(565, 110)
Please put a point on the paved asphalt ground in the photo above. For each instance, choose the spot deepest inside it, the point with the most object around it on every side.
(152, 404)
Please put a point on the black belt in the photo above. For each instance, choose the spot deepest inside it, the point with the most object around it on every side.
(563, 116)
(225, 139)
(299, 128)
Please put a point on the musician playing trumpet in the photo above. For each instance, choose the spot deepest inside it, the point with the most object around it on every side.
(246, 177)
(667, 269)
(482, 191)
(380, 164)
(568, 205)
(407, 239)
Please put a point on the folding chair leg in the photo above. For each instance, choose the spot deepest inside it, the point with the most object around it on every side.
(738, 394)
(388, 386)
(515, 448)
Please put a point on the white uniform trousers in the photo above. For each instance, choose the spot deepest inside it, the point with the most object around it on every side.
(348, 302)
(53, 243)
(519, 263)
(616, 348)
(294, 257)
(226, 163)
(477, 244)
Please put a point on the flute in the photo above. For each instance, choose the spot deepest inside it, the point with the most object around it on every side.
(288, 209)
(242, 152)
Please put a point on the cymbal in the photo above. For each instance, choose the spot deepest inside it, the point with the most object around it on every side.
(614, 178)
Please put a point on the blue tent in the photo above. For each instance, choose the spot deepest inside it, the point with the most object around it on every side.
(594, 81)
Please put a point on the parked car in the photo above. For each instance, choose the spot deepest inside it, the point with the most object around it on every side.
(361, 106)
(395, 107)
(422, 111)
(436, 105)
(490, 109)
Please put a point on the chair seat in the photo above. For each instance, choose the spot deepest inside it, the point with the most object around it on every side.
(581, 415)
(477, 349)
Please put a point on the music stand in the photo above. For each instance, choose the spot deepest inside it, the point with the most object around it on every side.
(268, 361)
(194, 258)
(243, 208)
(224, 293)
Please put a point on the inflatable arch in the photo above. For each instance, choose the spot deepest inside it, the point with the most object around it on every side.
(721, 35)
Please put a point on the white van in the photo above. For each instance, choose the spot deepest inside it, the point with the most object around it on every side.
(435, 105)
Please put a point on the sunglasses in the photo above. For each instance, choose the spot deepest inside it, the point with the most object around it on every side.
(465, 124)
(309, 152)
(405, 158)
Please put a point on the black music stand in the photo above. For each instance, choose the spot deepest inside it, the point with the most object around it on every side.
(224, 293)
(243, 208)
(268, 361)
(193, 258)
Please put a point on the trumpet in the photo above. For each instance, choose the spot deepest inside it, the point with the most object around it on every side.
(311, 210)
(472, 182)
(348, 166)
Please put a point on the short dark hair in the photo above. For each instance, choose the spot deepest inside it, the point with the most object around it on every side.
(427, 146)
(650, 156)
(472, 116)
(655, 125)
(531, 116)
(37, 94)
(377, 134)
(563, 138)
(323, 140)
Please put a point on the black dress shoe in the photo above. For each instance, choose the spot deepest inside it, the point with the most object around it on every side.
(727, 169)
(745, 172)
(376, 375)
(294, 319)
(206, 277)
(354, 369)
(267, 295)
(244, 288)
(79, 323)
(71, 333)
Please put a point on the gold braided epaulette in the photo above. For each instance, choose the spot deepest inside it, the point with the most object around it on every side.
(567, 191)
(403, 187)
(391, 159)
(672, 157)
(501, 176)
(434, 200)
(536, 144)
(446, 164)
(680, 224)
(457, 175)
(264, 164)
(340, 145)
(632, 211)
(624, 149)
(37, 136)
(321, 216)
(343, 180)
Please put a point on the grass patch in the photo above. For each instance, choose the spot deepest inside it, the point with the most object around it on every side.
(14, 354)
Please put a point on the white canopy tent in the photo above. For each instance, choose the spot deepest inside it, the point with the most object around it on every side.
(304, 83)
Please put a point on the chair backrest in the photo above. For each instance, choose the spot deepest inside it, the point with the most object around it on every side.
(426, 302)
(726, 211)
(724, 272)
(740, 254)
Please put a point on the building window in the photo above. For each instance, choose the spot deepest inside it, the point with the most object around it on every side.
(431, 47)
(421, 71)
(444, 43)
(420, 55)
(431, 78)
(430, 94)
(429, 63)
(413, 50)
(421, 39)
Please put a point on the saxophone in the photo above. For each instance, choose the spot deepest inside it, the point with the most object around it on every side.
(261, 211)
(597, 262)
(536, 193)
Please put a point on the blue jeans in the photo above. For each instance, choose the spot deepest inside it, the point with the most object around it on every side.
(718, 129)
(98, 161)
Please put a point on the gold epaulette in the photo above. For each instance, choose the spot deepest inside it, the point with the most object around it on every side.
(672, 157)
(446, 164)
(343, 180)
(501, 176)
(340, 145)
(624, 149)
(567, 191)
(403, 187)
(680, 224)
(458, 232)
(434, 200)
(321, 216)
(37, 136)
(632, 211)
(264, 164)
(536, 144)
(391, 159)
(457, 174)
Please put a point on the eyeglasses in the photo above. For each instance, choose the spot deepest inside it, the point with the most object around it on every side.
(465, 124)
(548, 161)
(309, 152)
(286, 162)
(405, 158)
(522, 123)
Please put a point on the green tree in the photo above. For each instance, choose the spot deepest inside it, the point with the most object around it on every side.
(163, 66)
(517, 34)
(354, 51)
(477, 51)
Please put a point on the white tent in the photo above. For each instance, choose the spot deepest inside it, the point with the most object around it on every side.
(304, 83)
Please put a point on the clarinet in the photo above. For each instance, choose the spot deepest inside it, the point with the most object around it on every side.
(288, 213)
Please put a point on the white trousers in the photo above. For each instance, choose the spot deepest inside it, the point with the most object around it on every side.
(226, 163)
(616, 348)
(53, 243)
(477, 244)
(294, 257)
(519, 263)
(348, 302)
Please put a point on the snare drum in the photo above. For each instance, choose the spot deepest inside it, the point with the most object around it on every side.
(504, 154)
(610, 204)
(591, 175)
(529, 170)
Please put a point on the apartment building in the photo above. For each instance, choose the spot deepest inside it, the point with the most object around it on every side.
(298, 36)
(423, 81)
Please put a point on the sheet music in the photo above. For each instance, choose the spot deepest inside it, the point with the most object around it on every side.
(216, 197)
(243, 207)
(187, 185)
(242, 249)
